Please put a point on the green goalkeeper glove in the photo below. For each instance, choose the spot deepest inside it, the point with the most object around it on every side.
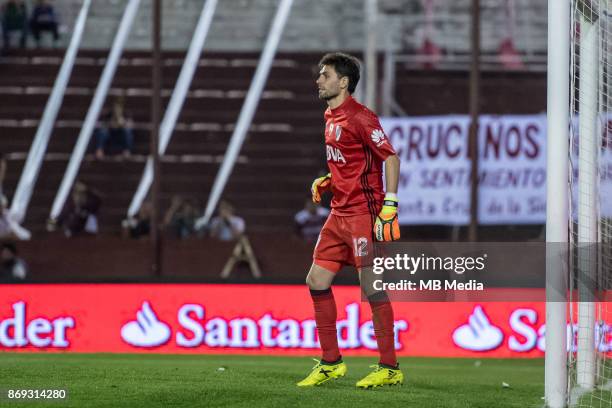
(319, 186)
(386, 227)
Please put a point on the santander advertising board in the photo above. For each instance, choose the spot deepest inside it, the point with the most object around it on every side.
(258, 319)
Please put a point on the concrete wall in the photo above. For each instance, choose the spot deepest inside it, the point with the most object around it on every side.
(316, 25)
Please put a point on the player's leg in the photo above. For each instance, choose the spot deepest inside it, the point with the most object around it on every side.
(101, 136)
(319, 282)
(387, 370)
(328, 256)
(330, 366)
(383, 320)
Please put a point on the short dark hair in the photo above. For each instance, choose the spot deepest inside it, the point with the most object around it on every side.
(345, 65)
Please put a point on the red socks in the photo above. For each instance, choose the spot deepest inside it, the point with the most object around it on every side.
(325, 316)
(382, 317)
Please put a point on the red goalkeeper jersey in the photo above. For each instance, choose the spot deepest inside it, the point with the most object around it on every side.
(356, 148)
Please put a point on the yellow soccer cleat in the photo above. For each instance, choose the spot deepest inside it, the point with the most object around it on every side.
(381, 376)
(321, 373)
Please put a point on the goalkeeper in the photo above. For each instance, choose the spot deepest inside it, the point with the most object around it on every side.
(357, 148)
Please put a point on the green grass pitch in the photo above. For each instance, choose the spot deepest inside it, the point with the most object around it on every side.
(153, 380)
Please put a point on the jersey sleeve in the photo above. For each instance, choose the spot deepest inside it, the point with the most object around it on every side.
(373, 135)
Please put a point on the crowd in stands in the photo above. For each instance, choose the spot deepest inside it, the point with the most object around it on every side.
(181, 221)
(16, 21)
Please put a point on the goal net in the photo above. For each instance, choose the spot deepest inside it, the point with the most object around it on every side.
(590, 181)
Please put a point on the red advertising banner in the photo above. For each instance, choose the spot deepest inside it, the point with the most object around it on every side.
(257, 319)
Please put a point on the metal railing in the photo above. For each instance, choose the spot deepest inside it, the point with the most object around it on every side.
(95, 108)
(437, 38)
(176, 101)
(248, 109)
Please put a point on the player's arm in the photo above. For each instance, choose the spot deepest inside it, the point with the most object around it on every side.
(386, 227)
(392, 168)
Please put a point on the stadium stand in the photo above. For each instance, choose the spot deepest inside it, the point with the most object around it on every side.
(285, 133)
(283, 149)
(241, 25)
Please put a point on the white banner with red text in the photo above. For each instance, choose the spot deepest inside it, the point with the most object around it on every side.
(434, 186)
(258, 319)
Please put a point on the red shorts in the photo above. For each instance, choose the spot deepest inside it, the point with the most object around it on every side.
(344, 241)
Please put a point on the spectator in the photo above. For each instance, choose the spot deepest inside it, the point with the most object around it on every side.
(140, 225)
(9, 227)
(181, 216)
(226, 226)
(80, 214)
(12, 267)
(43, 19)
(114, 131)
(310, 220)
(14, 18)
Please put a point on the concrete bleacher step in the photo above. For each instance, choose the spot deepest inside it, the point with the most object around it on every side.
(259, 143)
(142, 114)
(317, 25)
(237, 24)
(206, 108)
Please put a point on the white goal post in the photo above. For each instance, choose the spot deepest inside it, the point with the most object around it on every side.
(557, 202)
